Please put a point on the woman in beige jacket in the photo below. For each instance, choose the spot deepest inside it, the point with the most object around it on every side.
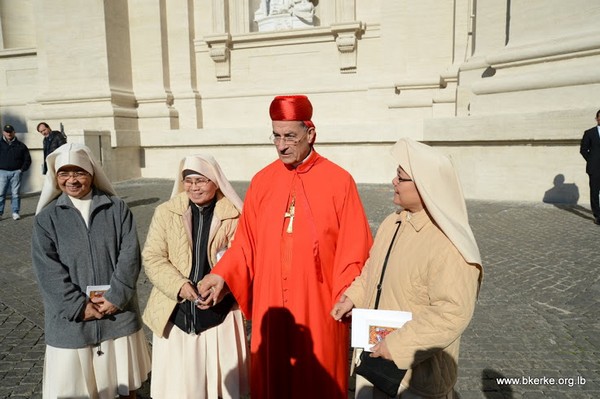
(434, 271)
(197, 353)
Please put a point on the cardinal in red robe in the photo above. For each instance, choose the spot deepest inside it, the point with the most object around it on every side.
(302, 239)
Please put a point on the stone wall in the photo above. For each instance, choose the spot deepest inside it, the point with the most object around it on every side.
(506, 88)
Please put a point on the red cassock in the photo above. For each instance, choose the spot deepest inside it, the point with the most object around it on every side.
(287, 278)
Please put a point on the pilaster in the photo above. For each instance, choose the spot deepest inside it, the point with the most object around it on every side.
(150, 72)
(85, 66)
(182, 62)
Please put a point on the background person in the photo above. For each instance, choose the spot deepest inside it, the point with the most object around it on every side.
(84, 235)
(14, 160)
(433, 271)
(590, 150)
(303, 237)
(52, 140)
(196, 353)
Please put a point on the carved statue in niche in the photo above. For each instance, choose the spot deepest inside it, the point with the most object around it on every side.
(275, 15)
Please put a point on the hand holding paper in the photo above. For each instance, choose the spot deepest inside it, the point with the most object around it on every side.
(381, 350)
(370, 326)
(100, 305)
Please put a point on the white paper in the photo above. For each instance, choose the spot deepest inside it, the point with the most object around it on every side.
(220, 253)
(98, 290)
(363, 319)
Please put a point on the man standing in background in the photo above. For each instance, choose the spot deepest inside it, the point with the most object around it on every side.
(52, 140)
(590, 150)
(14, 160)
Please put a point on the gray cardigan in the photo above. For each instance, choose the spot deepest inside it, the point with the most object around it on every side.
(68, 256)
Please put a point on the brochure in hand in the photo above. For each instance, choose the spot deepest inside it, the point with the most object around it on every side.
(369, 326)
(96, 291)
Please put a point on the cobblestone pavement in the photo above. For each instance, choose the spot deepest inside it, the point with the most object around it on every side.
(537, 320)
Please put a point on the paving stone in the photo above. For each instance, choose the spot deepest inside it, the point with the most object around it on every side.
(538, 312)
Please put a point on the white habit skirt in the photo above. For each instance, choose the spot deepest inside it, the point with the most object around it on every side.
(81, 373)
(213, 364)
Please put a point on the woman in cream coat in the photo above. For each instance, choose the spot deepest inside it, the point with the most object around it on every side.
(198, 354)
(434, 271)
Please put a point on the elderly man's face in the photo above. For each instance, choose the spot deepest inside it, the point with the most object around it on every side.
(74, 181)
(293, 141)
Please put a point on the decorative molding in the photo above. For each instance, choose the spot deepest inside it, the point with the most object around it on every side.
(115, 96)
(346, 36)
(420, 84)
(282, 38)
(18, 52)
(566, 76)
(411, 103)
(564, 48)
(424, 83)
(219, 48)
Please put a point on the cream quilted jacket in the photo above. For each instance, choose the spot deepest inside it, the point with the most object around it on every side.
(425, 275)
(167, 254)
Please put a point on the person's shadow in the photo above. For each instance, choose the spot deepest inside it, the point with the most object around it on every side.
(445, 362)
(493, 386)
(565, 196)
(285, 360)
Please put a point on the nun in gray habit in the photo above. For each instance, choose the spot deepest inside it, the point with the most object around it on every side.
(86, 257)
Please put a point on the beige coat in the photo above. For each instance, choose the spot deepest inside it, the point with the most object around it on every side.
(425, 275)
(167, 254)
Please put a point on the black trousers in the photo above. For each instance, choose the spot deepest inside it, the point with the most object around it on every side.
(595, 194)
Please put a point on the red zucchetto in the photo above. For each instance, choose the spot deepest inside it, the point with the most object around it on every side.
(291, 108)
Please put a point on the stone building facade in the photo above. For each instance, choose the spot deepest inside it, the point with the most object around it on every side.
(505, 87)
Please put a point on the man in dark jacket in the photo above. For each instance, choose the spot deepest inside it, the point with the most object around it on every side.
(590, 149)
(14, 160)
(52, 140)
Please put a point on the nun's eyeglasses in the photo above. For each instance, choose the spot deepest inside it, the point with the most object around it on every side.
(197, 182)
(76, 175)
(401, 179)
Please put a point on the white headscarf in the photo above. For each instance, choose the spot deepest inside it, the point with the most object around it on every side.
(71, 154)
(207, 166)
(440, 189)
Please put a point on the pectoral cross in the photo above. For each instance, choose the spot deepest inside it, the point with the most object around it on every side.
(290, 214)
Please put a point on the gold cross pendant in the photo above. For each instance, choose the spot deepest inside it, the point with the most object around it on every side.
(290, 214)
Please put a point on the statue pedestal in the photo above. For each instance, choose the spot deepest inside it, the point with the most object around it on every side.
(282, 22)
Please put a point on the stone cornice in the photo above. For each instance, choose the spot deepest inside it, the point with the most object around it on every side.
(557, 77)
(548, 50)
(345, 35)
(18, 52)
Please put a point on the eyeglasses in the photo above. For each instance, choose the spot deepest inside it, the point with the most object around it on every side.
(68, 175)
(290, 140)
(197, 182)
(400, 178)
